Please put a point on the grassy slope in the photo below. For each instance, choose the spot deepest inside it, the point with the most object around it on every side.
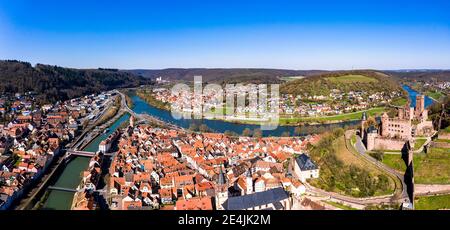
(432, 202)
(419, 143)
(352, 78)
(436, 95)
(349, 158)
(431, 168)
(341, 117)
(394, 161)
(339, 205)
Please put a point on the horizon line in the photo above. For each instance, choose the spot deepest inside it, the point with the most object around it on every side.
(249, 68)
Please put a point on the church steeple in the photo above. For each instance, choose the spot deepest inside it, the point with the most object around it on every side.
(221, 190)
(222, 179)
(249, 182)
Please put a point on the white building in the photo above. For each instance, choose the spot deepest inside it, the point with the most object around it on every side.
(305, 168)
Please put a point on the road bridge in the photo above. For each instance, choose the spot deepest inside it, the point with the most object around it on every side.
(63, 189)
(71, 152)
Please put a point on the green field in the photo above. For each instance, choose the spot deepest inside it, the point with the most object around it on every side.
(394, 161)
(352, 78)
(292, 120)
(341, 117)
(419, 143)
(339, 205)
(430, 168)
(447, 130)
(436, 95)
(399, 101)
(432, 202)
(291, 78)
(442, 140)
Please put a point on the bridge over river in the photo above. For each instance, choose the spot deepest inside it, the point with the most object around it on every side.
(72, 152)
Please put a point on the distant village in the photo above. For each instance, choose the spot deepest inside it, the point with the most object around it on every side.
(32, 136)
(335, 103)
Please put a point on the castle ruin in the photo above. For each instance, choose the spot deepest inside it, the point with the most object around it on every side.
(394, 132)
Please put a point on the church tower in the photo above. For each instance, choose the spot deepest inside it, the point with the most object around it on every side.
(221, 191)
(249, 182)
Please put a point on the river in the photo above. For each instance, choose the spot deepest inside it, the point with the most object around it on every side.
(412, 96)
(70, 177)
(140, 106)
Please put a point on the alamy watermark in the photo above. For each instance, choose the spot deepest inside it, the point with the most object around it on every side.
(237, 102)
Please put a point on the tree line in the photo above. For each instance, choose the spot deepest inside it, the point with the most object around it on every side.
(54, 83)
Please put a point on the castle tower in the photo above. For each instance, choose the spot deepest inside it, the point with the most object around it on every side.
(221, 191)
(131, 121)
(249, 182)
(384, 124)
(420, 105)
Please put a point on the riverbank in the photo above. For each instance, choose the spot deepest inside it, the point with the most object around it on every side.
(219, 126)
(284, 119)
(70, 176)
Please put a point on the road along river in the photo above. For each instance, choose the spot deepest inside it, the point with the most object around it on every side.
(71, 176)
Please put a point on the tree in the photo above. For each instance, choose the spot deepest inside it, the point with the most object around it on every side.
(257, 133)
(247, 132)
(298, 130)
(378, 155)
(204, 128)
(286, 134)
(193, 127)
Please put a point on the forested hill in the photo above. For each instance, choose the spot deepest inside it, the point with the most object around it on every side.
(421, 75)
(345, 81)
(53, 83)
(220, 75)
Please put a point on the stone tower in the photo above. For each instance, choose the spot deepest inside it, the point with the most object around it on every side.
(363, 123)
(384, 124)
(221, 190)
(420, 105)
(131, 121)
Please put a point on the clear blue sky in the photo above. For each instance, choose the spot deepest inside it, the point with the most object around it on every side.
(272, 34)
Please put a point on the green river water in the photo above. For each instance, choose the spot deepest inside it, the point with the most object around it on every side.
(71, 176)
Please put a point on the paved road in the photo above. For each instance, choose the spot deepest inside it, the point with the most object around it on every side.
(369, 200)
(431, 189)
(359, 201)
(361, 149)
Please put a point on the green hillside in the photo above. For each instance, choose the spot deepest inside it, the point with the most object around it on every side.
(368, 81)
(53, 83)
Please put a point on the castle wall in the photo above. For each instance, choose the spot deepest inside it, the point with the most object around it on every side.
(397, 128)
(387, 144)
(444, 135)
(424, 128)
(370, 141)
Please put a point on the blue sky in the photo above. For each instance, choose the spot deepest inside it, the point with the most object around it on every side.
(250, 34)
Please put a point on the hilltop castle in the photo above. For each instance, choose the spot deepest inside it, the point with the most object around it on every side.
(394, 132)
